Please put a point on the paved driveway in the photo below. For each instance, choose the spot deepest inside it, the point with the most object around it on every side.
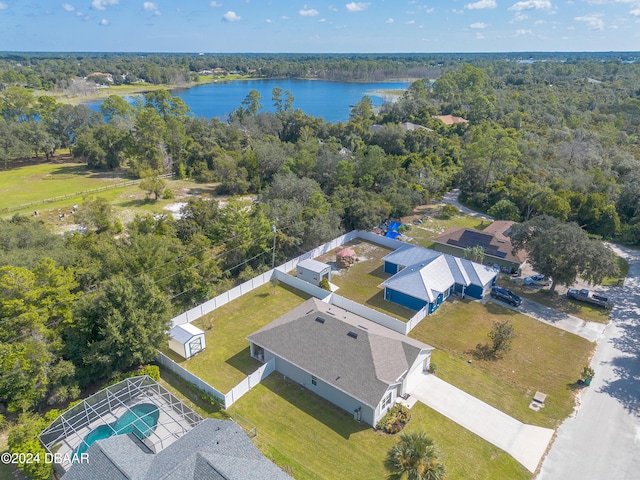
(589, 330)
(525, 443)
(602, 441)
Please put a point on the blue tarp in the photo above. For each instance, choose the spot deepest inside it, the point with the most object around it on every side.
(391, 234)
(394, 226)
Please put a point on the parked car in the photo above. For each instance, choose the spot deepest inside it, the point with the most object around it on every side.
(505, 295)
(537, 281)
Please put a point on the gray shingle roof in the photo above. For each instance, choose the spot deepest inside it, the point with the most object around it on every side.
(213, 450)
(313, 265)
(362, 367)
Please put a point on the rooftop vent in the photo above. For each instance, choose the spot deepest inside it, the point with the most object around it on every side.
(319, 319)
(352, 335)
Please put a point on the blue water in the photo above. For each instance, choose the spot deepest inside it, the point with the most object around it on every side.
(142, 420)
(328, 100)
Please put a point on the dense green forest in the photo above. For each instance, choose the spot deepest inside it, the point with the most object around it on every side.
(554, 135)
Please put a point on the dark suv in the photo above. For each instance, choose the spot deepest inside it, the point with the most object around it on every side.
(506, 296)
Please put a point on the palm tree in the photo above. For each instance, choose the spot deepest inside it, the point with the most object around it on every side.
(414, 457)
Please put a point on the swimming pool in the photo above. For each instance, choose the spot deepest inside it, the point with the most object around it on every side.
(141, 419)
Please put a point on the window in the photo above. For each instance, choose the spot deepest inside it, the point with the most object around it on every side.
(387, 400)
(314, 380)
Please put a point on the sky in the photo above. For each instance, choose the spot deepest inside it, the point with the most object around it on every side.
(287, 26)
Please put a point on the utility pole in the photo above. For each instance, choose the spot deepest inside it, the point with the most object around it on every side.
(273, 259)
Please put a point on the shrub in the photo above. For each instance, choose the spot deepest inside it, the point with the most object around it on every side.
(449, 211)
(324, 284)
(168, 194)
(395, 419)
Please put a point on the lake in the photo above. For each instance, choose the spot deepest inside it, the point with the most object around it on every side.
(330, 100)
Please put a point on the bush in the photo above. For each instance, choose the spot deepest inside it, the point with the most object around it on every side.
(324, 284)
(449, 211)
(168, 194)
(152, 370)
(395, 419)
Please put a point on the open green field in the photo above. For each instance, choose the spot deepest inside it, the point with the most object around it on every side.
(361, 282)
(35, 183)
(313, 439)
(542, 358)
(32, 183)
(226, 360)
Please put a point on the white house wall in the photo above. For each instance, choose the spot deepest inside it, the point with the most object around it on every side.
(178, 347)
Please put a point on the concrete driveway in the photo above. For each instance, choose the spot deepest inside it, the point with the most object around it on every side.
(451, 197)
(589, 330)
(602, 441)
(526, 443)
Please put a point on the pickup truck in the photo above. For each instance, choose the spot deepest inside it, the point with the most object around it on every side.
(587, 296)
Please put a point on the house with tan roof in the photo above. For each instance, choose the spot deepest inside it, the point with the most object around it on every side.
(450, 119)
(358, 365)
(494, 240)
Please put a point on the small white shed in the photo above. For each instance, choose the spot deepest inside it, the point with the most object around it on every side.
(313, 271)
(186, 340)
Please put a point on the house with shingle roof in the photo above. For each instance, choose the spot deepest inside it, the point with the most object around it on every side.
(425, 278)
(494, 240)
(214, 449)
(450, 119)
(358, 365)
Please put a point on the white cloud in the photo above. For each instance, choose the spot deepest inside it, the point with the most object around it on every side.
(308, 12)
(284, 17)
(103, 4)
(530, 5)
(481, 4)
(430, 10)
(635, 12)
(480, 25)
(357, 6)
(410, 22)
(68, 7)
(150, 6)
(479, 36)
(104, 22)
(322, 20)
(519, 33)
(231, 16)
(389, 20)
(215, 4)
(268, 20)
(3, 6)
(594, 22)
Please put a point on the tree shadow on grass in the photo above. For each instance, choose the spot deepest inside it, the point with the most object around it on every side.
(483, 351)
(137, 203)
(340, 421)
(243, 362)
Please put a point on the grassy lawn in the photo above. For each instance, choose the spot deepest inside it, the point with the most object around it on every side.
(47, 180)
(424, 233)
(623, 267)
(226, 361)
(590, 313)
(542, 358)
(361, 281)
(313, 439)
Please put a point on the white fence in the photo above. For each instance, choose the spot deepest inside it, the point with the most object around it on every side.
(183, 373)
(369, 313)
(301, 285)
(248, 383)
(234, 394)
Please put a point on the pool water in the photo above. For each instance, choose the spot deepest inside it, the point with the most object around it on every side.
(141, 420)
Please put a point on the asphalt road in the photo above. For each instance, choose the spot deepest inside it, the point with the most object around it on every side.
(451, 197)
(602, 440)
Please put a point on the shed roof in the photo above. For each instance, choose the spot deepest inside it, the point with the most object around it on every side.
(313, 265)
(185, 332)
(347, 351)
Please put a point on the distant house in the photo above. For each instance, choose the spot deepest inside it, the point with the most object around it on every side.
(494, 240)
(408, 127)
(358, 365)
(450, 119)
(426, 278)
(313, 271)
(186, 340)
